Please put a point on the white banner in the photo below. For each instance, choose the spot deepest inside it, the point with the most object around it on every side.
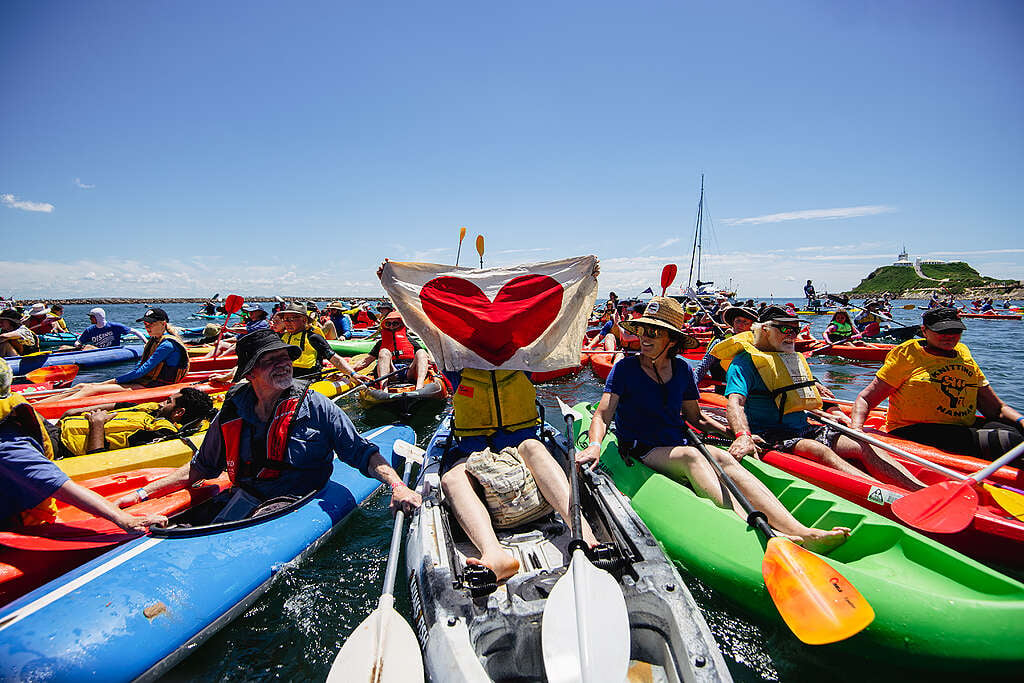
(525, 317)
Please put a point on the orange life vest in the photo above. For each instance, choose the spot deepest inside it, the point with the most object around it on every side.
(163, 374)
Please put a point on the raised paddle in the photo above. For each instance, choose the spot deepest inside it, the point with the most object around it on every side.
(462, 236)
(1009, 500)
(480, 248)
(233, 304)
(817, 603)
(718, 328)
(53, 373)
(383, 649)
(585, 628)
(668, 275)
(949, 506)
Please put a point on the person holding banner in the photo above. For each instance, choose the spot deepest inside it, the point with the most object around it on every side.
(486, 334)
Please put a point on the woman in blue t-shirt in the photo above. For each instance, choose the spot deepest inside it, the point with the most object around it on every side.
(649, 395)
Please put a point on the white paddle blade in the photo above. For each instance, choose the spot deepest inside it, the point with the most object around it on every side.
(585, 630)
(409, 451)
(382, 649)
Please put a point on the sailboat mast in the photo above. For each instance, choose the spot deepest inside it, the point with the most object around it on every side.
(697, 236)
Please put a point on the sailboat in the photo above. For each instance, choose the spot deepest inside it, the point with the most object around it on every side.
(703, 287)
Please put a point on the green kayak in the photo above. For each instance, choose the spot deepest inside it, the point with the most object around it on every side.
(351, 347)
(934, 607)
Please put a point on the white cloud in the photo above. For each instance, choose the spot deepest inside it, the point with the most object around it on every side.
(812, 214)
(667, 243)
(78, 183)
(9, 200)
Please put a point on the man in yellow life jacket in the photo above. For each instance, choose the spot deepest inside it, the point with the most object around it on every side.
(721, 352)
(29, 480)
(313, 348)
(112, 426)
(497, 409)
(771, 391)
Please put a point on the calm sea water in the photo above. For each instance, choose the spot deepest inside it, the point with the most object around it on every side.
(295, 630)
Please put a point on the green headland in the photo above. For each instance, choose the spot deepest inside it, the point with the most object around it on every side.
(956, 277)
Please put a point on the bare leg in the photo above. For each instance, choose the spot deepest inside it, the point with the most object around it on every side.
(688, 462)
(552, 482)
(475, 520)
(6, 349)
(883, 466)
(87, 389)
(384, 366)
(609, 342)
(420, 363)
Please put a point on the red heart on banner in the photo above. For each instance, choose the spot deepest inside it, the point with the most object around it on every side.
(494, 330)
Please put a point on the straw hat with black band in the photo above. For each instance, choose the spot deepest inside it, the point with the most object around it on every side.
(666, 313)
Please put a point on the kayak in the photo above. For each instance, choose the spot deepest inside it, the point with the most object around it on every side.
(145, 605)
(51, 339)
(472, 630)
(875, 353)
(33, 555)
(992, 316)
(402, 396)
(351, 347)
(56, 409)
(601, 363)
(934, 608)
(170, 453)
(83, 359)
(547, 376)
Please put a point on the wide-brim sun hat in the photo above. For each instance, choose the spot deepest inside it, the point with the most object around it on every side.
(733, 312)
(337, 306)
(253, 345)
(11, 314)
(38, 309)
(666, 313)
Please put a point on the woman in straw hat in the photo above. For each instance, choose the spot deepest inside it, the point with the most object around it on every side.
(649, 395)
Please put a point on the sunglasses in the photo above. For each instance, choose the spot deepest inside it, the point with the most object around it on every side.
(786, 329)
(651, 332)
(392, 326)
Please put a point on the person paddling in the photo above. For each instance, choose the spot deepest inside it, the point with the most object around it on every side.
(935, 390)
(650, 395)
(840, 328)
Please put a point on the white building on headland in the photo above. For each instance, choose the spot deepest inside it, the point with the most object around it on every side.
(904, 260)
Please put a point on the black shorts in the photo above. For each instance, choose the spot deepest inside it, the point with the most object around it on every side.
(782, 439)
(986, 440)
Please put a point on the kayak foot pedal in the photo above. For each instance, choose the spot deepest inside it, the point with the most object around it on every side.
(606, 556)
(480, 580)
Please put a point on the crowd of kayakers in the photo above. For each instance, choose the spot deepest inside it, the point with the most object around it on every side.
(276, 438)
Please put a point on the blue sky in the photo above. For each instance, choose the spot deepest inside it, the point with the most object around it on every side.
(286, 148)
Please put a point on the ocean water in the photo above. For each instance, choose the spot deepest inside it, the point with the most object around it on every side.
(295, 630)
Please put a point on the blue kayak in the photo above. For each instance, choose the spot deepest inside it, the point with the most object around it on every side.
(83, 359)
(142, 607)
(51, 339)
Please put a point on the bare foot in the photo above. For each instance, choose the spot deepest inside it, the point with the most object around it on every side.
(503, 565)
(821, 541)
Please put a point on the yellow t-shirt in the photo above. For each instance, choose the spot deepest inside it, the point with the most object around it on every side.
(931, 388)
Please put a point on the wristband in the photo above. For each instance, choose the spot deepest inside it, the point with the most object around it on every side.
(142, 494)
(739, 434)
(396, 484)
(1019, 419)
(594, 443)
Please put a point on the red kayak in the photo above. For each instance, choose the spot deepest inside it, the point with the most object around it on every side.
(56, 409)
(992, 316)
(863, 352)
(33, 555)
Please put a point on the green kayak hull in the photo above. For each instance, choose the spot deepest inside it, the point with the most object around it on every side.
(934, 607)
(351, 347)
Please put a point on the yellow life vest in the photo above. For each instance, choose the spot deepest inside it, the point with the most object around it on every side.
(730, 347)
(117, 432)
(29, 423)
(307, 358)
(491, 400)
(788, 378)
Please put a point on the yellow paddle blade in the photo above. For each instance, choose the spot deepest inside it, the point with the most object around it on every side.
(480, 245)
(817, 603)
(1011, 501)
(462, 234)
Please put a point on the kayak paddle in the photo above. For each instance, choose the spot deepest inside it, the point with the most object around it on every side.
(668, 274)
(718, 328)
(233, 304)
(817, 603)
(480, 248)
(360, 385)
(1007, 499)
(383, 649)
(585, 627)
(815, 351)
(949, 506)
(53, 373)
(462, 236)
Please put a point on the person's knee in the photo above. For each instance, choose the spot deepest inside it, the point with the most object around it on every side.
(533, 450)
(453, 479)
(384, 356)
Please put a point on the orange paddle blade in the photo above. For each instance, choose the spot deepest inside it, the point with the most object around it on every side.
(944, 508)
(817, 603)
(53, 373)
(462, 234)
(480, 245)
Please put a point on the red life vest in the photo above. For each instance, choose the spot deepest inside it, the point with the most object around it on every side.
(362, 318)
(277, 437)
(44, 326)
(397, 342)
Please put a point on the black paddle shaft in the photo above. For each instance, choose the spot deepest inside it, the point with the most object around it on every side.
(575, 509)
(755, 518)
